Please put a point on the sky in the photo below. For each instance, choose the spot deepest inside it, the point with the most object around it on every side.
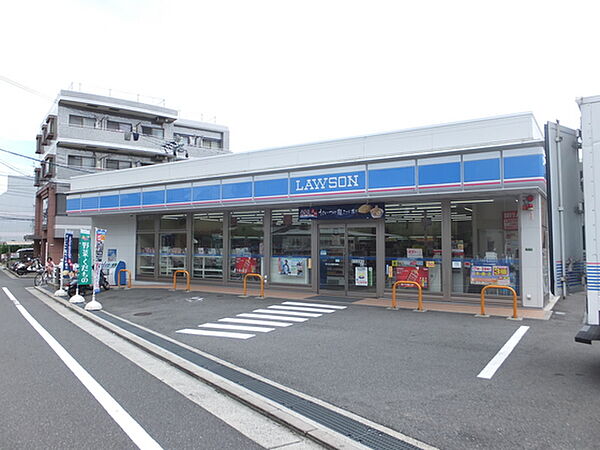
(289, 72)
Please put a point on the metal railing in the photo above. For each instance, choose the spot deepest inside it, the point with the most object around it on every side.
(495, 286)
(262, 284)
(187, 274)
(412, 283)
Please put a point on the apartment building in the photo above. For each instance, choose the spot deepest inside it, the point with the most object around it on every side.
(16, 208)
(87, 133)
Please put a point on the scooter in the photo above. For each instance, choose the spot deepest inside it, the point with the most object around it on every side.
(72, 288)
(25, 267)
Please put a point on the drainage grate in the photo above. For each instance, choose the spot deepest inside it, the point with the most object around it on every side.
(344, 425)
(142, 314)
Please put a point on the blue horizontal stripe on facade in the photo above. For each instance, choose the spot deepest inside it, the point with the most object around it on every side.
(524, 166)
(515, 167)
(153, 197)
(444, 173)
(73, 204)
(267, 188)
(482, 170)
(391, 177)
(109, 201)
(89, 203)
(206, 193)
(337, 182)
(237, 190)
(179, 195)
(130, 199)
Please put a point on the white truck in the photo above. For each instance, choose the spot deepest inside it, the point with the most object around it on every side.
(590, 140)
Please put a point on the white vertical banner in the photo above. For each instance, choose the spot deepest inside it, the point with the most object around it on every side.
(99, 239)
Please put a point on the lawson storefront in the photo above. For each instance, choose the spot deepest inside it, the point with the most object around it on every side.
(454, 207)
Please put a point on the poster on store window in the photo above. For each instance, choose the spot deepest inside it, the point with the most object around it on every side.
(510, 220)
(245, 264)
(291, 267)
(414, 273)
(361, 276)
(483, 275)
(290, 270)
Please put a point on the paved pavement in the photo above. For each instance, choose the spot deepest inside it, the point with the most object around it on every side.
(45, 406)
(415, 373)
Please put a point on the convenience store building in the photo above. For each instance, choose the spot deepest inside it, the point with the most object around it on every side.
(453, 206)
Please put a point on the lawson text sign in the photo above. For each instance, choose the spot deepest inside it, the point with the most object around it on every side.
(328, 183)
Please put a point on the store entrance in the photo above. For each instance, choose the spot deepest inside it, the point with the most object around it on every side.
(347, 259)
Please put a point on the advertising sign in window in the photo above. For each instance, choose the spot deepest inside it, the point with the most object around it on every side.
(483, 275)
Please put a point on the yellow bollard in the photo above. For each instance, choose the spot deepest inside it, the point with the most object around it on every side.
(413, 283)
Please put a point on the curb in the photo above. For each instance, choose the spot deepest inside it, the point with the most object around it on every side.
(298, 423)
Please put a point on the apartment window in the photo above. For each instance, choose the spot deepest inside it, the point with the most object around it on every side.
(152, 131)
(118, 126)
(48, 167)
(211, 143)
(115, 164)
(81, 121)
(81, 161)
(186, 139)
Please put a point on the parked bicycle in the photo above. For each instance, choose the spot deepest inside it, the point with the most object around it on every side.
(42, 278)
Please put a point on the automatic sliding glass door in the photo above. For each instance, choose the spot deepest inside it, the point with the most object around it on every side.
(347, 259)
(362, 257)
(332, 255)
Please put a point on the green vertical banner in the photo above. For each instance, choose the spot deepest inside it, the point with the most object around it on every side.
(84, 275)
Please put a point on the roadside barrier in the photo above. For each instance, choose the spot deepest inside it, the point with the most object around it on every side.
(412, 283)
(187, 275)
(495, 286)
(262, 284)
(128, 278)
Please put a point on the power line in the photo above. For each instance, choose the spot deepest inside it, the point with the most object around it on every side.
(16, 169)
(25, 88)
(51, 163)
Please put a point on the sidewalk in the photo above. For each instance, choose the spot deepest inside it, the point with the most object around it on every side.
(455, 307)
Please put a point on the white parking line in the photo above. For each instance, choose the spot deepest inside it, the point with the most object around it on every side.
(271, 317)
(216, 333)
(224, 326)
(292, 313)
(136, 433)
(299, 308)
(489, 370)
(317, 305)
(257, 322)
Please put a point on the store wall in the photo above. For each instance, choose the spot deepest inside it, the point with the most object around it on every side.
(120, 235)
(532, 261)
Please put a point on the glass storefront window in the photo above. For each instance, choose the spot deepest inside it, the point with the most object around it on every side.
(413, 244)
(173, 244)
(290, 260)
(207, 260)
(173, 253)
(145, 246)
(246, 231)
(485, 245)
(146, 255)
(173, 222)
(145, 223)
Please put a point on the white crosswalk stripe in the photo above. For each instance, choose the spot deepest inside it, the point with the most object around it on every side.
(216, 333)
(224, 326)
(263, 320)
(316, 305)
(257, 322)
(291, 313)
(300, 308)
(272, 317)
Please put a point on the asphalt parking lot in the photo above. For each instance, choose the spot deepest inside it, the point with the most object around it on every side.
(415, 373)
